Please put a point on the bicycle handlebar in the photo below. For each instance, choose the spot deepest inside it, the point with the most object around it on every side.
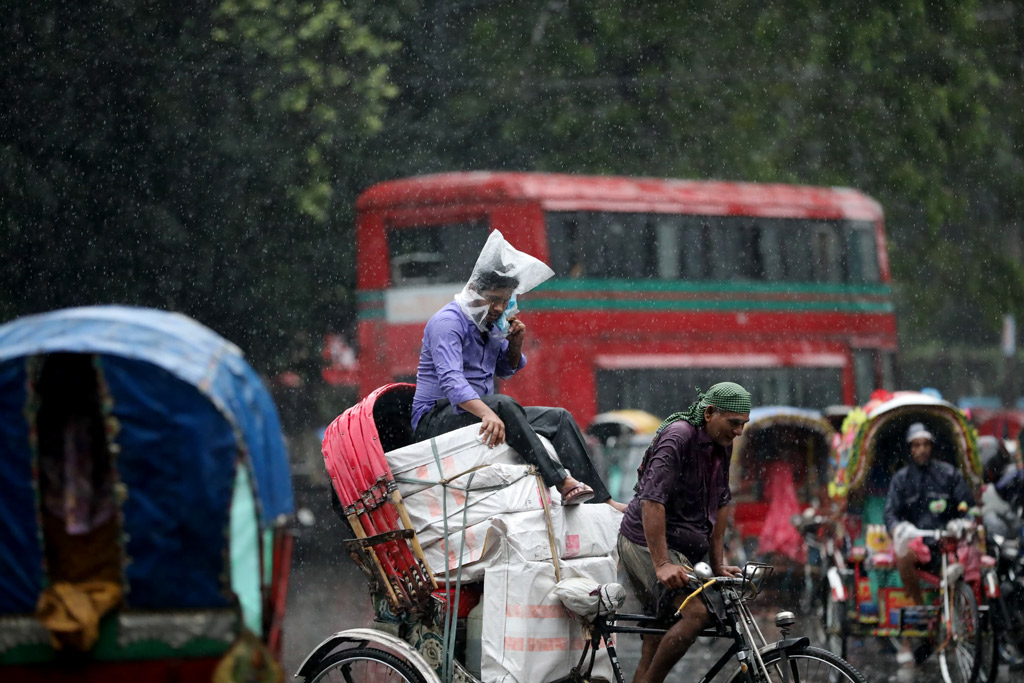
(737, 581)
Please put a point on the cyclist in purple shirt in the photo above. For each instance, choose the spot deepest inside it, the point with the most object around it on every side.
(455, 387)
(679, 514)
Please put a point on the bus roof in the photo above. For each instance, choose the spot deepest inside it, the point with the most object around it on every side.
(563, 192)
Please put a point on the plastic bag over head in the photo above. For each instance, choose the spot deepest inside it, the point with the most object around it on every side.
(501, 270)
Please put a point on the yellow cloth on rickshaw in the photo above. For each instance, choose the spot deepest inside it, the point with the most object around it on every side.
(250, 661)
(71, 612)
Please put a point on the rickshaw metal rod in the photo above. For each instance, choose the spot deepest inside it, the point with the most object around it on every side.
(357, 529)
(396, 499)
(377, 521)
(382, 545)
(383, 537)
(386, 552)
(385, 515)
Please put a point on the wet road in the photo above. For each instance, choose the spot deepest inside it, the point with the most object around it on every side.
(327, 593)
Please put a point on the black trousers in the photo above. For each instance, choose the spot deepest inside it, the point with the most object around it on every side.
(522, 425)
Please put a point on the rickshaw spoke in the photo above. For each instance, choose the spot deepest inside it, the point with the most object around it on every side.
(365, 665)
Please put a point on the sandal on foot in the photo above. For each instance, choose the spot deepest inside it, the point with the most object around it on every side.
(580, 493)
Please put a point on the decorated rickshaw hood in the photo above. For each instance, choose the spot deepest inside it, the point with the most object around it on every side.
(764, 417)
(185, 412)
(855, 454)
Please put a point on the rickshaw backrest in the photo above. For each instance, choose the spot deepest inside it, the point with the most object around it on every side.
(363, 487)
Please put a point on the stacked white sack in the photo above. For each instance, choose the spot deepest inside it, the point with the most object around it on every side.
(590, 531)
(537, 640)
(473, 498)
(526, 532)
(415, 466)
(495, 478)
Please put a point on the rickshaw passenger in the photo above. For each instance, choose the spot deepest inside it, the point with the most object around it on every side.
(455, 388)
(679, 514)
(925, 494)
(79, 516)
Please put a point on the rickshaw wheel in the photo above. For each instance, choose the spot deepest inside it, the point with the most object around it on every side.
(364, 664)
(960, 659)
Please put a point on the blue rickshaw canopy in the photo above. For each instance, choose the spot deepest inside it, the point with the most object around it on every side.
(191, 415)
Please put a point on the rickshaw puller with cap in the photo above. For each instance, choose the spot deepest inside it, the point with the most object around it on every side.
(925, 494)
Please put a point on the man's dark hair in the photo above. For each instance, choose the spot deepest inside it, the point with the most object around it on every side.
(489, 280)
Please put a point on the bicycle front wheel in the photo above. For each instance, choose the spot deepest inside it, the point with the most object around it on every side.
(960, 641)
(365, 665)
(804, 664)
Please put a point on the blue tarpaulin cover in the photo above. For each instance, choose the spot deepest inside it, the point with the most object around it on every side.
(190, 409)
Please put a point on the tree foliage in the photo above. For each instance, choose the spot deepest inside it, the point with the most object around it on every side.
(185, 157)
(205, 157)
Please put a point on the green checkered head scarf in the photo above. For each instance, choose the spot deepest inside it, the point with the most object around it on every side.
(727, 396)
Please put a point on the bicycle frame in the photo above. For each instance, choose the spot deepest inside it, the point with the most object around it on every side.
(749, 645)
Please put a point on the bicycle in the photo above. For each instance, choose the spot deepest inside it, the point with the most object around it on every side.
(758, 661)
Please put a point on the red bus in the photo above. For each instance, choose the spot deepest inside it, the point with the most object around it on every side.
(659, 286)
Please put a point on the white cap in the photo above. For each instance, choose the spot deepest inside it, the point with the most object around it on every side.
(918, 431)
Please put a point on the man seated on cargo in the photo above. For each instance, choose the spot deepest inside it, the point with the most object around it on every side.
(679, 514)
(459, 359)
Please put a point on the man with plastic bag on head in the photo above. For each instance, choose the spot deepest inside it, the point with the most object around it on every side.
(478, 336)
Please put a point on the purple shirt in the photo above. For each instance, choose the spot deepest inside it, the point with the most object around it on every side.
(456, 363)
(688, 473)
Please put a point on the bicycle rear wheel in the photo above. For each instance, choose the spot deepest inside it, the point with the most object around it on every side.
(364, 665)
(804, 664)
(990, 639)
(960, 643)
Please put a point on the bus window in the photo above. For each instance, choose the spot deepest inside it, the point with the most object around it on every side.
(864, 374)
(668, 233)
(610, 245)
(825, 262)
(603, 245)
(657, 390)
(564, 253)
(434, 254)
(888, 370)
(772, 250)
(796, 251)
(728, 252)
(862, 254)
